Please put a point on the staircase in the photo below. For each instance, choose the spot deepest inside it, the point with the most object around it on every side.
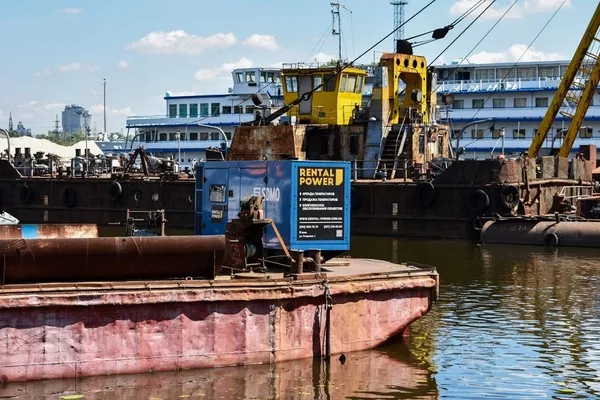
(390, 152)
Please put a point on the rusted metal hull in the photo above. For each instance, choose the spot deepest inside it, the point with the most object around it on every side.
(112, 258)
(542, 233)
(48, 231)
(125, 329)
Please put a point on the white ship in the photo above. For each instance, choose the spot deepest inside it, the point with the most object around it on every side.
(192, 124)
(518, 104)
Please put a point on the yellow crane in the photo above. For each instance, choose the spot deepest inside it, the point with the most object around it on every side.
(576, 90)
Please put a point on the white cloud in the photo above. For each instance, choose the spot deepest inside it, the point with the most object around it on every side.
(92, 67)
(72, 11)
(323, 57)
(516, 12)
(42, 73)
(222, 72)
(267, 42)
(54, 106)
(123, 64)
(513, 53)
(180, 42)
(99, 108)
(70, 67)
(29, 104)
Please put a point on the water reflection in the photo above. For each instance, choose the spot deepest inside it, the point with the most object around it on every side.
(512, 322)
(363, 375)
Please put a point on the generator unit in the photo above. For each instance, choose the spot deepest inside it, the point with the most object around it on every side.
(309, 201)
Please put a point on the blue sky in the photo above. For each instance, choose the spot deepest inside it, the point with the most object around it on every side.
(58, 52)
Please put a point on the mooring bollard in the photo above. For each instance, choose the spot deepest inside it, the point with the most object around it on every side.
(297, 261)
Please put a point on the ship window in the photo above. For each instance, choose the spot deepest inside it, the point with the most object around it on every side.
(519, 133)
(456, 134)
(250, 109)
(476, 133)
(172, 110)
(163, 137)
(215, 109)
(238, 110)
(520, 102)
(458, 104)
(204, 110)
(344, 81)
(226, 110)
(359, 84)
(215, 135)
(330, 83)
(317, 81)
(182, 136)
(203, 135)
(250, 77)
(263, 77)
(291, 84)
(217, 193)
(541, 102)
(478, 103)
(239, 77)
(228, 135)
(496, 133)
(193, 110)
(499, 103)
(526, 72)
(193, 135)
(484, 74)
(183, 111)
(549, 72)
(270, 77)
(351, 84)
(172, 136)
(504, 73)
(586, 132)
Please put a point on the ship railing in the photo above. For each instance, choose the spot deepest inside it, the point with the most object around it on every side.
(403, 167)
(572, 193)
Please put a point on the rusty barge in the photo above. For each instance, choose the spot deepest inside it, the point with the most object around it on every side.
(250, 289)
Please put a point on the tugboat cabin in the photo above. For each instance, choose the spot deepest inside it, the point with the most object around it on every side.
(335, 97)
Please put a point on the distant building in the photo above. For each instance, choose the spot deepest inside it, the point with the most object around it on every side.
(21, 130)
(75, 119)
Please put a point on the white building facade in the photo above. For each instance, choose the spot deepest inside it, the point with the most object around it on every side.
(194, 123)
(517, 98)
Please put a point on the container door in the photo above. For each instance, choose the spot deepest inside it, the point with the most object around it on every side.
(216, 189)
(305, 85)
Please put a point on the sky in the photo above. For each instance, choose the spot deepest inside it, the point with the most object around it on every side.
(58, 52)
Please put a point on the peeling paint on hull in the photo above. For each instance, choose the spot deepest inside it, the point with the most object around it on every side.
(137, 329)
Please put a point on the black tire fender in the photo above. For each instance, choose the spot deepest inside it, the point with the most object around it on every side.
(509, 196)
(115, 190)
(69, 198)
(26, 194)
(479, 201)
(426, 193)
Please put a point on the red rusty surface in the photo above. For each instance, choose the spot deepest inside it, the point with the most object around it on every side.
(88, 333)
(51, 231)
(110, 258)
(363, 372)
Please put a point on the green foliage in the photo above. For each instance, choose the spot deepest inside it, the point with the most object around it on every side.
(63, 139)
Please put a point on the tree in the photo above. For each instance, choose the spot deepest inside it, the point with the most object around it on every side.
(62, 139)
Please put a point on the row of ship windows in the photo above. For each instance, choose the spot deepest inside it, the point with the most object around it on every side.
(206, 110)
(348, 83)
(584, 133)
(164, 137)
(519, 102)
(550, 71)
(250, 77)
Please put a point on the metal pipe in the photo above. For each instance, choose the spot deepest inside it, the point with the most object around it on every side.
(482, 121)
(111, 258)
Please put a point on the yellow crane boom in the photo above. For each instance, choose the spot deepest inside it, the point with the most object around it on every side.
(578, 95)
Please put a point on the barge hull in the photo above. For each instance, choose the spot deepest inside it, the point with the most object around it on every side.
(59, 332)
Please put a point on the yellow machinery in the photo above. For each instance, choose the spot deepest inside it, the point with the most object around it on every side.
(335, 97)
(576, 90)
(412, 71)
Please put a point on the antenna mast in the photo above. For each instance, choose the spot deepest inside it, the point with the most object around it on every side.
(335, 16)
(104, 84)
(398, 19)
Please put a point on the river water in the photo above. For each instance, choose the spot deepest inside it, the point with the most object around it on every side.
(512, 322)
